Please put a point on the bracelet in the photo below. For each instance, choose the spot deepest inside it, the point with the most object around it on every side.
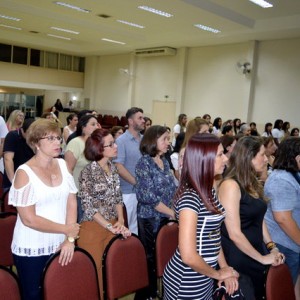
(108, 226)
(270, 245)
(275, 248)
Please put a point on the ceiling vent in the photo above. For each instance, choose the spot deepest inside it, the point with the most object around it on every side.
(159, 51)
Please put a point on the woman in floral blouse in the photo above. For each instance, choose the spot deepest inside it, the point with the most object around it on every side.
(155, 189)
(101, 198)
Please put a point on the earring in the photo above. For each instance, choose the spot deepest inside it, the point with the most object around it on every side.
(37, 148)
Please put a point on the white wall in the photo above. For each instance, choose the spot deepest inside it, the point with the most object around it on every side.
(277, 88)
(205, 80)
(213, 84)
(200, 80)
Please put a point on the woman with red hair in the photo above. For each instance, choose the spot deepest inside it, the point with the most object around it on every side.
(101, 198)
(191, 271)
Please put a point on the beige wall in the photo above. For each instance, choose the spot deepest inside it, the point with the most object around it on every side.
(199, 80)
(51, 83)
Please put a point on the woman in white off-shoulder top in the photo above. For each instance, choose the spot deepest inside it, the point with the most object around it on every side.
(43, 191)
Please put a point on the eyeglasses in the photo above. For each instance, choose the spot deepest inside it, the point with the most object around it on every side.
(110, 145)
(52, 138)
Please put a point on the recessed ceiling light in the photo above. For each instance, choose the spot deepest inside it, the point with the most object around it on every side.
(72, 6)
(131, 24)
(113, 41)
(262, 3)
(10, 27)
(9, 18)
(59, 37)
(207, 28)
(155, 11)
(64, 30)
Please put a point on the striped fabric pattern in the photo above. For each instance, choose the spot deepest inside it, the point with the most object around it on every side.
(180, 281)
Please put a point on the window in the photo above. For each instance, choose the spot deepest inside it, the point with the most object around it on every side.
(36, 58)
(51, 60)
(78, 64)
(5, 52)
(65, 62)
(20, 55)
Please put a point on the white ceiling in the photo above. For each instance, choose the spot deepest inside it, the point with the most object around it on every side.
(238, 21)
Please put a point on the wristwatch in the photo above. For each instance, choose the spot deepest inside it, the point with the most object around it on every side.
(108, 226)
(71, 239)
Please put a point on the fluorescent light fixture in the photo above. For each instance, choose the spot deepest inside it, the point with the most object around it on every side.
(207, 28)
(155, 11)
(130, 24)
(10, 27)
(72, 6)
(59, 37)
(113, 41)
(64, 30)
(262, 3)
(9, 18)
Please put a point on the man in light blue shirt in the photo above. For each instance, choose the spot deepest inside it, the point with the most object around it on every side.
(128, 155)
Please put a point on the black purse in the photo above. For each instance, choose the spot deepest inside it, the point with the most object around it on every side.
(221, 291)
(244, 292)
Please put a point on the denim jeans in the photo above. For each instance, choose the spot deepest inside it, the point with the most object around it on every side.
(292, 259)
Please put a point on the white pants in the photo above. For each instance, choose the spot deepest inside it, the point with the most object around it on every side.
(131, 205)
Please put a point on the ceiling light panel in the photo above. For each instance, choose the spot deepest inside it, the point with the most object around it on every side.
(130, 24)
(64, 30)
(113, 41)
(9, 18)
(155, 11)
(10, 27)
(262, 3)
(59, 37)
(207, 28)
(67, 5)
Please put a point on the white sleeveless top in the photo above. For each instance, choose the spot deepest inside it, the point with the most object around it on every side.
(50, 203)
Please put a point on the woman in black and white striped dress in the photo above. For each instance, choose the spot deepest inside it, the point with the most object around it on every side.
(192, 270)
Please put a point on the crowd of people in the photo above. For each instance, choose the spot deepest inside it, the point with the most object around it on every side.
(234, 192)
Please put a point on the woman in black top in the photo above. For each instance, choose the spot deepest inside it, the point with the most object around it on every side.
(244, 232)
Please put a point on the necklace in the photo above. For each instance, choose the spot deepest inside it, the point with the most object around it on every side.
(46, 172)
(105, 167)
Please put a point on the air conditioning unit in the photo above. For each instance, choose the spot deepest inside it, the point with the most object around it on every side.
(159, 51)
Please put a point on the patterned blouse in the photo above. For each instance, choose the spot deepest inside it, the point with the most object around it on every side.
(99, 192)
(153, 185)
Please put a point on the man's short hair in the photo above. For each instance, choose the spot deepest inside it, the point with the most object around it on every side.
(132, 111)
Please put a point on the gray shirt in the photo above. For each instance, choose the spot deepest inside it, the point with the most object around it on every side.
(128, 155)
(283, 191)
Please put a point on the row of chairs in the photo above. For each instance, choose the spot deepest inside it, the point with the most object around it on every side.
(108, 121)
(124, 268)
(124, 265)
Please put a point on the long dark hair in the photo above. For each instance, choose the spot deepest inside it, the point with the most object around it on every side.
(241, 168)
(198, 169)
(82, 123)
(286, 155)
(235, 127)
(266, 128)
